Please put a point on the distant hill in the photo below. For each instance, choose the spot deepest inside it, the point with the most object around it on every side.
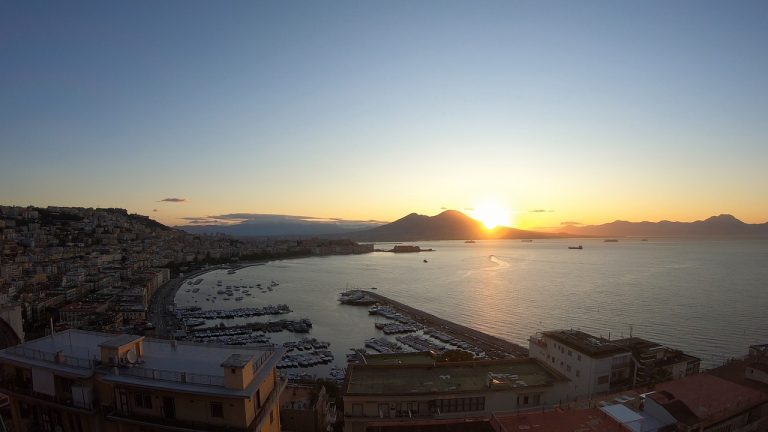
(719, 226)
(285, 228)
(448, 225)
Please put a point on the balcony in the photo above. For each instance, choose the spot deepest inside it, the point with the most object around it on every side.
(23, 390)
(163, 423)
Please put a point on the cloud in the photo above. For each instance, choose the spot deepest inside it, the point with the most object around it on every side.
(571, 223)
(173, 200)
(541, 211)
(469, 209)
(443, 208)
(259, 218)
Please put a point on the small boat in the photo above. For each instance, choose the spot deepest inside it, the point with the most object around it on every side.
(426, 261)
(469, 241)
(611, 241)
(526, 241)
(576, 247)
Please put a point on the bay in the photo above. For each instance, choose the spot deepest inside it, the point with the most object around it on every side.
(706, 297)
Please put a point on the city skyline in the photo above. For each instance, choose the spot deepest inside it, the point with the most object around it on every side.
(552, 112)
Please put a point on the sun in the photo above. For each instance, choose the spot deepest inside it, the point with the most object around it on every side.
(491, 214)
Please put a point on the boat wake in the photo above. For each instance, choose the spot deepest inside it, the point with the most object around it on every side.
(500, 263)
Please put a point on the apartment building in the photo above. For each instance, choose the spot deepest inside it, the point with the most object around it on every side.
(79, 381)
(593, 364)
(656, 363)
(423, 395)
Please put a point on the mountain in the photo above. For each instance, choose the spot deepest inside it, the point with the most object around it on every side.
(448, 225)
(284, 228)
(719, 226)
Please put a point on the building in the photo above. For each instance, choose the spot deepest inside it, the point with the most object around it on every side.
(87, 381)
(655, 363)
(593, 364)
(704, 402)
(304, 409)
(422, 395)
(558, 420)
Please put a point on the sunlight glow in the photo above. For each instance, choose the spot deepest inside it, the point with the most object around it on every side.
(492, 214)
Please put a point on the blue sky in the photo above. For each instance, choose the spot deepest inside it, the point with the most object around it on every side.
(371, 110)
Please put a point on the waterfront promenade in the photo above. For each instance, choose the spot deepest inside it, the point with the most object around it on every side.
(493, 346)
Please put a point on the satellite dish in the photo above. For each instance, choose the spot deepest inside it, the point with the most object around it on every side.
(131, 356)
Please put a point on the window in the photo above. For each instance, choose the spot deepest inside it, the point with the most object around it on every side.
(568, 368)
(578, 357)
(578, 372)
(217, 410)
(602, 379)
(459, 404)
(142, 400)
(570, 353)
(525, 400)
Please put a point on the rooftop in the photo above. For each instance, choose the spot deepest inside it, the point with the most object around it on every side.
(558, 420)
(586, 343)
(120, 340)
(188, 366)
(707, 397)
(449, 377)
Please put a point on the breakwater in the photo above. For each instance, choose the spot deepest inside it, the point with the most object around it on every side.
(494, 347)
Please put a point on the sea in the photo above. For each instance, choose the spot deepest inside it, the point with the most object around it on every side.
(706, 297)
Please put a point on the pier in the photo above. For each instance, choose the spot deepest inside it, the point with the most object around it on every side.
(494, 347)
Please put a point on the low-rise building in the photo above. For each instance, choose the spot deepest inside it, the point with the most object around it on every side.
(704, 402)
(558, 420)
(399, 395)
(304, 408)
(656, 363)
(595, 365)
(88, 381)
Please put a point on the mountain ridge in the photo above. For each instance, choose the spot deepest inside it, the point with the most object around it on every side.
(724, 224)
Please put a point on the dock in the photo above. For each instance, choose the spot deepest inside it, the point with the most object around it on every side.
(494, 347)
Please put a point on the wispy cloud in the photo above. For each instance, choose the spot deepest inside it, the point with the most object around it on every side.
(173, 200)
(571, 223)
(541, 211)
(260, 218)
(469, 209)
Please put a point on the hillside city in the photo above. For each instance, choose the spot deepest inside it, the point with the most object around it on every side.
(87, 346)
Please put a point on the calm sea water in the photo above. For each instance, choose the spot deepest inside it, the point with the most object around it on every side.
(706, 297)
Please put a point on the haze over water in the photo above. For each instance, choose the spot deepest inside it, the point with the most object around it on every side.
(706, 297)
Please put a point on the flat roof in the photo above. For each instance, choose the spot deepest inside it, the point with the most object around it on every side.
(449, 377)
(582, 420)
(633, 420)
(592, 346)
(162, 365)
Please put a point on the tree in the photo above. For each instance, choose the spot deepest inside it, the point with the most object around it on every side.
(456, 355)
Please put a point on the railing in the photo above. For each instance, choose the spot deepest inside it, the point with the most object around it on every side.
(12, 385)
(34, 354)
(171, 376)
(257, 362)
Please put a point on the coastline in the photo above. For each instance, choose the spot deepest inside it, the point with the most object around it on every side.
(164, 321)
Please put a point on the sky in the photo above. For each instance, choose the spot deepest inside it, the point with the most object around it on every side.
(555, 111)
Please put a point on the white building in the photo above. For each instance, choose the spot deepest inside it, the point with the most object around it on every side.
(594, 365)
